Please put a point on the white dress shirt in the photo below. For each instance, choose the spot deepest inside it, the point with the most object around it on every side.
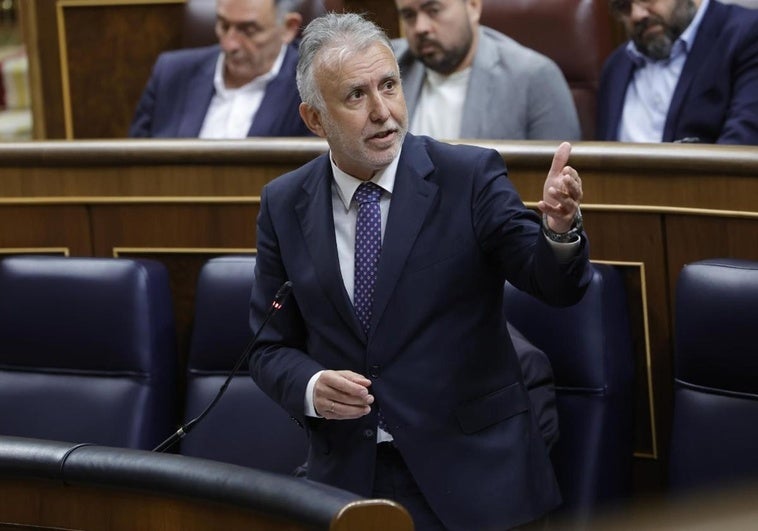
(648, 96)
(232, 111)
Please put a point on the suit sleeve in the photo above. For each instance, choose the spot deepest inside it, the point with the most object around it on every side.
(741, 124)
(511, 235)
(552, 112)
(141, 126)
(278, 363)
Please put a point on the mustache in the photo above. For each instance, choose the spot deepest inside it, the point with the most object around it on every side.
(423, 39)
(642, 26)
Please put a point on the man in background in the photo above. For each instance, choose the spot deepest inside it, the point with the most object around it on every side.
(463, 80)
(689, 73)
(244, 86)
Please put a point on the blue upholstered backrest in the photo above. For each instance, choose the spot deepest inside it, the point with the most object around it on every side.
(715, 422)
(245, 427)
(88, 350)
(591, 351)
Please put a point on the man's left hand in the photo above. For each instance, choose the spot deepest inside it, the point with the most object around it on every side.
(562, 192)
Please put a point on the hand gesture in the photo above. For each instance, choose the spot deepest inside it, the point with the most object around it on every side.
(562, 192)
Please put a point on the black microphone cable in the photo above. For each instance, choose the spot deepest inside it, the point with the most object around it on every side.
(184, 429)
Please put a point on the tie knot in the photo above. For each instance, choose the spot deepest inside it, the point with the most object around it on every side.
(367, 192)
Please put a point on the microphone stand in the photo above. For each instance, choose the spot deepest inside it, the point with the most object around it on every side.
(187, 427)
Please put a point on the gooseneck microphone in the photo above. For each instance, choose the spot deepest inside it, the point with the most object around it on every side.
(184, 429)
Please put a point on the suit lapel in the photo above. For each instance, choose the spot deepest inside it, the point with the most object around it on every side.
(314, 211)
(199, 93)
(707, 33)
(477, 110)
(411, 198)
(412, 73)
(267, 120)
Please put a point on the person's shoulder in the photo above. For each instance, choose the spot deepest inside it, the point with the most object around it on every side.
(514, 54)
(399, 45)
(448, 155)
(508, 45)
(737, 21)
(185, 56)
(297, 178)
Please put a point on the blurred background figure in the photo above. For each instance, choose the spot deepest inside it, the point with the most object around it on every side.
(463, 80)
(244, 86)
(689, 73)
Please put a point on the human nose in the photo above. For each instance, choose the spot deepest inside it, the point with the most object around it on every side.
(638, 10)
(422, 24)
(229, 39)
(379, 109)
(631, 8)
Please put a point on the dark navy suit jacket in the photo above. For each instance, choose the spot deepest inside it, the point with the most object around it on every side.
(180, 89)
(716, 98)
(443, 368)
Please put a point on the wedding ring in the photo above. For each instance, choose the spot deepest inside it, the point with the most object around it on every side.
(331, 408)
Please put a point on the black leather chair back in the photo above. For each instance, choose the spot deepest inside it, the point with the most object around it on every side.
(715, 418)
(87, 350)
(591, 351)
(245, 427)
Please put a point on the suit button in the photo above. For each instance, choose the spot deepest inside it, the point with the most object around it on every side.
(374, 371)
(368, 433)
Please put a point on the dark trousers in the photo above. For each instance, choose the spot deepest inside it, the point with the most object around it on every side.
(393, 481)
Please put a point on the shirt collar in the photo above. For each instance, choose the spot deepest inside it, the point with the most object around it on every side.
(347, 184)
(256, 84)
(682, 45)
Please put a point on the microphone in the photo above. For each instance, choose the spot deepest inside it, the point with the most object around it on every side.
(184, 429)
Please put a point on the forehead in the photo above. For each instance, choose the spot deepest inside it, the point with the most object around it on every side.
(426, 4)
(349, 67)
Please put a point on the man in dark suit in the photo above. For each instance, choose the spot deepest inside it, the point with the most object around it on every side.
(245, 86)
(688, 74)
(399, 364)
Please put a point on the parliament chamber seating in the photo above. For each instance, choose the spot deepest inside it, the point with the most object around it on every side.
(88, 351)
(577, 34)
(714, 432)
(590, 348)
(245, 427)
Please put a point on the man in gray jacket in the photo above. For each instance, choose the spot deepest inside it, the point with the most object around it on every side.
(463, 80)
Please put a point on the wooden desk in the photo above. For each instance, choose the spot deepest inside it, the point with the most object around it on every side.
(649, 207)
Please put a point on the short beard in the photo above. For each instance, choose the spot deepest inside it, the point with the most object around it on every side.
(451, 59)
(659, 46)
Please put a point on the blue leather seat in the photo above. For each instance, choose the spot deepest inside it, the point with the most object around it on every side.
(591, 351)
(245, 427)
(715, 416)
(87, 350)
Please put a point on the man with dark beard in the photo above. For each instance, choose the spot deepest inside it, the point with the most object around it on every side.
(463, 80)
(688, 74)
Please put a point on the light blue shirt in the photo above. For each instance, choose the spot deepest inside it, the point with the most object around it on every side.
(648, 96)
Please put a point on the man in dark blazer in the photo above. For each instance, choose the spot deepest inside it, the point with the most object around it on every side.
(688, 74)
(245, 86)
(423, 400)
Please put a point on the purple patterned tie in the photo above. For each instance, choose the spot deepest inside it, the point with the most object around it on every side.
(368, 245)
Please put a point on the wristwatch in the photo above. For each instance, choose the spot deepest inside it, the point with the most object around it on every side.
(572, 235)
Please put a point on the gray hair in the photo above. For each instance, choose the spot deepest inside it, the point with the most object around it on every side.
(335, 34)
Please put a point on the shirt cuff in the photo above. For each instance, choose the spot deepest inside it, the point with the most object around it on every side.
(564, 252)
(310, 409)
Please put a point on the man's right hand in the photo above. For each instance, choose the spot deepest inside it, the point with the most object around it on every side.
(340, 395)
